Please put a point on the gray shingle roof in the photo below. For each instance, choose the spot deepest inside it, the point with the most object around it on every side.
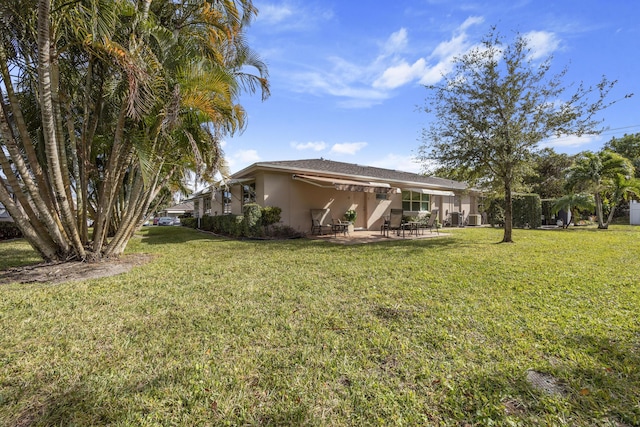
(351, 170)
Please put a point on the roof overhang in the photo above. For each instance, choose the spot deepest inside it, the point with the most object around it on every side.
(345, 184)
(431, 192)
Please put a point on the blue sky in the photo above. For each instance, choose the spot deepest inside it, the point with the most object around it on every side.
(347, 77)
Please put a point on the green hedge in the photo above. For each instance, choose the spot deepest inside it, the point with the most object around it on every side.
(527, 211)
(255, 222)
(189, 222)
(547, 213)
(9, 230)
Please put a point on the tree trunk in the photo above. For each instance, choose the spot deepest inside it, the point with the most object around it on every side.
(49, 132)
(110, 184)
(508, 214)
(610, 217)
(23, 132)
(44, 247)
(48, 218)
(600, 212)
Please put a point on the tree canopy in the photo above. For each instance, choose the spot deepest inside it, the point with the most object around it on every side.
(492, 111)
(627, 146)
(105, 103)
(547, 174)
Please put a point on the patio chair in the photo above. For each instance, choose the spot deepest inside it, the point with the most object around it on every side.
(318, 218)
(432, 221)
(395, 222)
(384, 227)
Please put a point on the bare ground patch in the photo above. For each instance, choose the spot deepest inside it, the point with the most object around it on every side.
(55, 273)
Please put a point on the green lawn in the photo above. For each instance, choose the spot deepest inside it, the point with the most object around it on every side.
(423, 332)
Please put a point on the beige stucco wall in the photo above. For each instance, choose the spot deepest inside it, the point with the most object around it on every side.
(297, 198)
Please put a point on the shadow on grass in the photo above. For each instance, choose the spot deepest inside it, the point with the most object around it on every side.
(605, 394)
(156, 235)
(17, 253)
(166, 235)
(82, 404)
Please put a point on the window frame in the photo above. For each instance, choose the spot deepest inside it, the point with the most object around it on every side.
(413, 199)
(249, 193)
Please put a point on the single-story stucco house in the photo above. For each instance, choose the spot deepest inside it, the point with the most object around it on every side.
(298, 186)
(183, 208)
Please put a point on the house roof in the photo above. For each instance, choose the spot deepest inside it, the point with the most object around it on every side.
(180, 208)
(352, 171)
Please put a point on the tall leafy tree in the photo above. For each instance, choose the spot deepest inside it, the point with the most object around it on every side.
(492, 111)
(105, 103)
(629, 147)
(606, 175)
(547, 175)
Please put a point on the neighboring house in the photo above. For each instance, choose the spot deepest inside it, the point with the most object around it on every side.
(297, 186)
(4, 215)
(184, 208)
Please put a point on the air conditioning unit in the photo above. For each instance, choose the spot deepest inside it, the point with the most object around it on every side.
(456, 219)
(475, 219)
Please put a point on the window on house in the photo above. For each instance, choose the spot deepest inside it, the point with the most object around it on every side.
(249, 193)
(414, 201)
(226, 202)
(206, 205)
(196, 208)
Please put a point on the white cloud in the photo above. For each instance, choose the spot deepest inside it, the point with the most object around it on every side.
(291, 15)
(273, 14)
(241, 159)
(315, 146)
(348, 147)
(397, 42)
(471, 21)
(570, 141)
(541, 43)
(339, 83)
(431, 69)
(400, 74)
(368, 84)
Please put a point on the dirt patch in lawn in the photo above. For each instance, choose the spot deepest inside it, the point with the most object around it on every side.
(55, 273)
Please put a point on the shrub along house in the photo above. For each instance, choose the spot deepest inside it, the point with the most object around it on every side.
(298, 186)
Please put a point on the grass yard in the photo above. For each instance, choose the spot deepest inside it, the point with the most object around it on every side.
(424, 332)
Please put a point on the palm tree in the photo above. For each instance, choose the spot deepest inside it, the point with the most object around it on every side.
(604, 174)
(129, 96)
(573, 203)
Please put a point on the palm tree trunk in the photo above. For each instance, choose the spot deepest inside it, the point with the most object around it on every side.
(48, 217)
(52, 145)
(610, 216)
(600, 211)
(25, 138)
(44, 247)
(62, 152)
(23, 200)
(75, 162)
(134, 205)
(110, 184)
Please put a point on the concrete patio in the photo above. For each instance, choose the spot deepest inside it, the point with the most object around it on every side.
(369, 236)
